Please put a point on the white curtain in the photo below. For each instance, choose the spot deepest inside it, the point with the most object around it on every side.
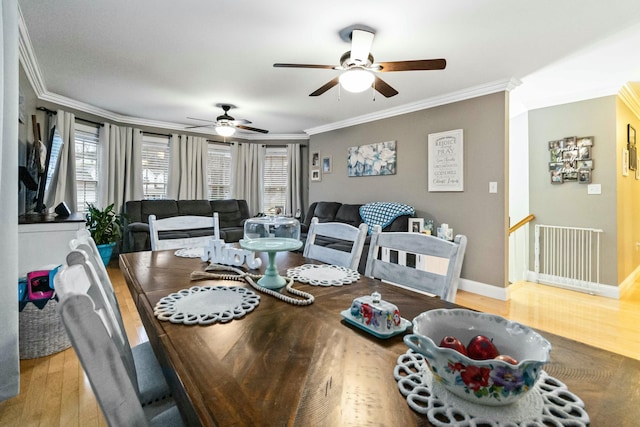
(188, 168)
(247, 165)
(120, 166)
(63, 186)
(294, 179)
(9, 356)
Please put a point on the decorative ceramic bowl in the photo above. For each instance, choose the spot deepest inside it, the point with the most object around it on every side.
(487, 382)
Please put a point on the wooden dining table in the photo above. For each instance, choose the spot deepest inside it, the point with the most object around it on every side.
(288, 365)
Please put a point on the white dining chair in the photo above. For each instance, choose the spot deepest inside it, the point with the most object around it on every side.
(178, 224)
(94, 334)
(355, 236)
(435, 263)
(149, 379)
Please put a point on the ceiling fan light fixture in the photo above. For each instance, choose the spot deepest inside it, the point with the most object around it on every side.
(356, 80)
(224, 129)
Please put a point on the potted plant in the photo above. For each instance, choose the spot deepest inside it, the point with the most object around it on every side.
(105, 226)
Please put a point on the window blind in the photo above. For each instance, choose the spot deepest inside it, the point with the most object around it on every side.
(219, 171)
(155, 166)
(86, 151)
(275, 180)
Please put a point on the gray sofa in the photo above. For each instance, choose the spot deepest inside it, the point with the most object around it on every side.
(232, 214)
(348, 214)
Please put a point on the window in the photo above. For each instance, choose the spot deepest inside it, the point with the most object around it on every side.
(155, 166)
(275, 180)
(86, 164)
(219, 171)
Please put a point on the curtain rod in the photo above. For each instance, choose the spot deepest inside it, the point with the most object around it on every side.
(156, 134)
(77, 118)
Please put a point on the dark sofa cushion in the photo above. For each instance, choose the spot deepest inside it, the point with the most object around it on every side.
(159, 208)
(349, 214)
(194, 207)
(231, 213)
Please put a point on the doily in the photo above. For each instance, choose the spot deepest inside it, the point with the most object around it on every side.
(204, 305)
(190, 252)
(323, 275)
(549, 403)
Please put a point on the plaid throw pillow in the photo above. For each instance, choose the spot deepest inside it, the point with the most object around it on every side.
(383, 213)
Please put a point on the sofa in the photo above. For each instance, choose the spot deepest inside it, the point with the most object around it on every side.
(232, 214)
(348, 214)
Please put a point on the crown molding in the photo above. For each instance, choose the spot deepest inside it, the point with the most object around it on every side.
(631, 99)
(472, 92)
(27, 57)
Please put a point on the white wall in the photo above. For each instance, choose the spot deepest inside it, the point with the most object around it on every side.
(9, 355)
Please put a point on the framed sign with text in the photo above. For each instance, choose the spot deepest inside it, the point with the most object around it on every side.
(446, 161)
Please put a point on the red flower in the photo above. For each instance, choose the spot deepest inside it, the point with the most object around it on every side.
(475, 377)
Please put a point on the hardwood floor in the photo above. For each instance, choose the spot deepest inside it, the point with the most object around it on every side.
(55, 392)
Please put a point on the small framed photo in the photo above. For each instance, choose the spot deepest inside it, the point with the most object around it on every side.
(556, 176)
(631, 135)
(625, 162)
(585, 141)
(327, 164)
(585, 164)
(315, 159)
(584, 176)
(416, 225)
(315, 175)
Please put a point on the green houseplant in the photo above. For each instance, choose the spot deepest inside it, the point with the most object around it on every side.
(105, 226)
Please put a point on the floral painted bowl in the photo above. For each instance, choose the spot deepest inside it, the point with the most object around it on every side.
(486, 382)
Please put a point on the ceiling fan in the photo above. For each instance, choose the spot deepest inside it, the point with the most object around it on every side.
(359, 65)
(225, 125)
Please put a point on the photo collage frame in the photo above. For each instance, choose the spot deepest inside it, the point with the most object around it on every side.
(571, 160)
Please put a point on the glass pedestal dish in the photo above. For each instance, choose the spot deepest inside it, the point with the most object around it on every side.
(271, 234)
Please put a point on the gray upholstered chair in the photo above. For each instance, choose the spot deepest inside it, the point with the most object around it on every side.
(94, 334)
(178, 223)
(149, 380)
(435, 263)
(340, 231)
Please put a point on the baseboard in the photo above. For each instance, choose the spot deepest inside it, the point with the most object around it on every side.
(484, 289)
(600, 289)
(627, 283)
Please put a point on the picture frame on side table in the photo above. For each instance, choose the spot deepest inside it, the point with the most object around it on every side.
(316, 175)
(416, 225)
(327, 164)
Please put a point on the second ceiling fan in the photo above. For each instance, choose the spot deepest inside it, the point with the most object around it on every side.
(359, 66)
(225, 125)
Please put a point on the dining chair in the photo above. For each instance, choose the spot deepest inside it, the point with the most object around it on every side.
(433, 265)
(354, 236)
(176, 225)
(93, 332)
(143, 365)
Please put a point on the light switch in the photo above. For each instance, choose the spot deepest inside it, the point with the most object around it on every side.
(594, 189)
(493, 187)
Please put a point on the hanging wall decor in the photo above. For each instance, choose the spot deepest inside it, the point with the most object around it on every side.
(570, 160)
(446, 158)
(372, 159)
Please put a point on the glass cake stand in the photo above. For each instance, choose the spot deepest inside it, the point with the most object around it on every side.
(271, 235)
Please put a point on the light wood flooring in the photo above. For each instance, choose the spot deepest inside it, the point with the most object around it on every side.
(55, 391)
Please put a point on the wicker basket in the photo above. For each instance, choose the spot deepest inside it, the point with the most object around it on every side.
(41, 331)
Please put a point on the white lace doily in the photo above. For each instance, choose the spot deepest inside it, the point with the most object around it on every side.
(549, 403)
(190, 252)
(204, 305)
(323, 275)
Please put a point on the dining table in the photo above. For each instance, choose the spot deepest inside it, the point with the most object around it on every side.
(303, 365)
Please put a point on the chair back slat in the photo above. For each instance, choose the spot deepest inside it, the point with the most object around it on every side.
(179, 223)
(336, 230)
(436, 263)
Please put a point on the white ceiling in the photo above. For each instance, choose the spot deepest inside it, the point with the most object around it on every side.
(161, 61)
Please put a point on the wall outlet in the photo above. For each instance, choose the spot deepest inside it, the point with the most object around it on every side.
(493, 187)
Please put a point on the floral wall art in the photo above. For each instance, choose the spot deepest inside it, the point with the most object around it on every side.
(372, 159)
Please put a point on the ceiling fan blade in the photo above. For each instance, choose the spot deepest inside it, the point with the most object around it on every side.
(325, 67)
(252, 129)
(240, 122)
(195, 127)
(325, 87)
(417, 65)
(360, 46)
(384, 88)
(202, 120)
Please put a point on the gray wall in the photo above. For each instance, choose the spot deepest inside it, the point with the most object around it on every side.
(474, 212)
(568, 204)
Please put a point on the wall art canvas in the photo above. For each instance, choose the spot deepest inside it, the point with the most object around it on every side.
(446, 155)
(372, 159)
